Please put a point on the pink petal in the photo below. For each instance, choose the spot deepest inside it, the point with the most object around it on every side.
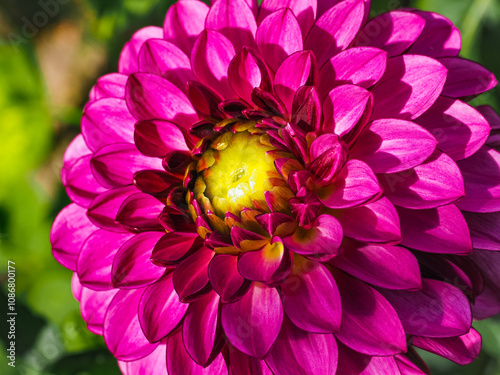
(76, 149)
(352, 362)
(325, 5)
(156, 138)
(115, 165)
(439, 37)
(434, 183)
(459, 128)
(191, 276)
(441, 230)
(305, 11)
(172, 247)
(361, 66)
(225, 278)
(335, 29)
(437, 310)
(76, 287)
(487, 303)
(165, 59)
(391, 145)
(103, 209)
(128, 57)
(201, 329)
(481, 173)
(109, 86)
(139, 212)
(184, 21)
(373, 222)
(96, 258)
(323, 238)
(93, 306)
(369, 323)
(311, 299)
(297, 352)
(155, 363)
(344, 107)
(122, 330)
(466, 78)
(299, 69)
(235, 20)
(132, 267)
(242, 364)
(150, 96)
(278, 36)
(410, 86)
(391, 267)
(69, 231)
(355, 185)
(393, 32)
(484, 229)
(462, 349)
(253, 323)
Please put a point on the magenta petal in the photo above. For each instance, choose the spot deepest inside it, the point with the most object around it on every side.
(122, 330)
(311, 299)
(160, 309)
(154, 363)
(391, 145)
(407, 367)
(299, 69)
(466, 78)
(191, 276)
(323, 238)
(93, 306)
(242, 364)
(343, 108)
(128, 57)
(235, 20)
(109, 86)
(434, 183)
(487, 303)
(352, 362)
(441, 230)
(253, 323)
(132, 267)
(225, 278)
(165, 59)
(484, 229)
(76, 149)
(180, 363)
(462, 349)
(297, 352)
(439, 37)
(278, 36)
(210, 58)
(304, 10)
(115, 165)
(100, 120)
(150, 96)
(391, 267)
(361, 66)
(410, 86)
(140, 212)
(69, 231)
(481, 174)
(172, 247)
(103, 209)
(393, 32)
(437, 310)
(355, 185)
(325, 5)
(370, 324)
(156, 138)
(184, 21)
(96, 258)
(335, 29)
(201, 329)
(373, 222)
(459, 128)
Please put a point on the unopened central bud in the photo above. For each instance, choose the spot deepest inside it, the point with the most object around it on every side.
(234, 173)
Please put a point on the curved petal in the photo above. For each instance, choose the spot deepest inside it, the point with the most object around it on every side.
(487, 303)
(172, 247)
(70, 230)
(155, 363)
(225, 278)
(410, 86)
(76, 149)
(242, 364)
(156, 138)
(139, 212)
(352, 362)
(278, 36)
(160, 309)
(435, 183)
(191, 276)
(310, 297)
(304, 10)
(441, 230)
(109, 86)
(127, 63)
(253, 322)
(484, 229)
(93, 306)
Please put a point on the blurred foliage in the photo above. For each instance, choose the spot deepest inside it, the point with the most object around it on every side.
(43, 87)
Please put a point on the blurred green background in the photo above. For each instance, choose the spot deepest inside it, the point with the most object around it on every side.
(46, 72)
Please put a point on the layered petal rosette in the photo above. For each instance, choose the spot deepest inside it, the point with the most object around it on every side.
(291, 188)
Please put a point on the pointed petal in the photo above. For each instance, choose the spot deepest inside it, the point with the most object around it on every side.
(487, 303)
(93, 306)
(410, 86)
(191, 276)
(242, 364)
(253, 323)
(156, 138)
(305, 11)
(352, 362)
(128, 57)
(172, 247)
(154, 363)
(484, 229)
(109, 86)
(139, 212)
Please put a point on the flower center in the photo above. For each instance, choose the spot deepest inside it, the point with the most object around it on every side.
(234, 173)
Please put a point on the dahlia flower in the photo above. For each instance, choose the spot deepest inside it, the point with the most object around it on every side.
(291, 188)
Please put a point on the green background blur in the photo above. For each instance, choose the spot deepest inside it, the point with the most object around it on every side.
(45, 74)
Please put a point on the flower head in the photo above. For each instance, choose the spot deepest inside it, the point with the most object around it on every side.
(295, 190)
